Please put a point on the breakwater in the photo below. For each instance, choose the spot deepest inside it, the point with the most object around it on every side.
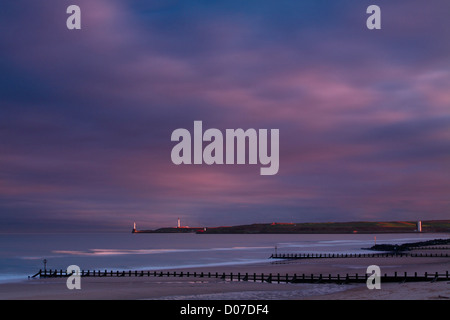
(254, 277)
(357, 255)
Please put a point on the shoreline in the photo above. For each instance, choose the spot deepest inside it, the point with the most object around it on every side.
(168, 288)
(174, 288)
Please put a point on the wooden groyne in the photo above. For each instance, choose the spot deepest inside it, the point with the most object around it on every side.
(356, 255)
(270, 278)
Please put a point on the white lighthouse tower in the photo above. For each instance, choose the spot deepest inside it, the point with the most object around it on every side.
(419, 226)
(179, 223)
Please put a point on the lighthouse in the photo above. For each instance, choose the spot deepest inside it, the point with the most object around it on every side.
(134, 228)
(179, 223)
(419, 226)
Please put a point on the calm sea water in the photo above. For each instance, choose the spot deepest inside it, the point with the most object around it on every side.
(22, 255)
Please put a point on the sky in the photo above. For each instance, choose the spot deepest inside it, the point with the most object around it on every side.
(86, 116)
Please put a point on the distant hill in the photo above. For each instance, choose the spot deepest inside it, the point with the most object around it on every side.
(431, 226)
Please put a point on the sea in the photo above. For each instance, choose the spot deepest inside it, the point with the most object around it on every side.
(22, 255)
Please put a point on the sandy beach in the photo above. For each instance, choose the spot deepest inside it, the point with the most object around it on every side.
(176, 288)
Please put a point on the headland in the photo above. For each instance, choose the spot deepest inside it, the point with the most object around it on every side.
(428, 226)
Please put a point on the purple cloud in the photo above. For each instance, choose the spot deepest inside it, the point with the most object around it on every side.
(87, 115)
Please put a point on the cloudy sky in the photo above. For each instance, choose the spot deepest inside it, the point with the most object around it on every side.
(86, 115)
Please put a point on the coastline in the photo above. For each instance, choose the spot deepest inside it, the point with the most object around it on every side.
(364, 227)
(175, 288)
